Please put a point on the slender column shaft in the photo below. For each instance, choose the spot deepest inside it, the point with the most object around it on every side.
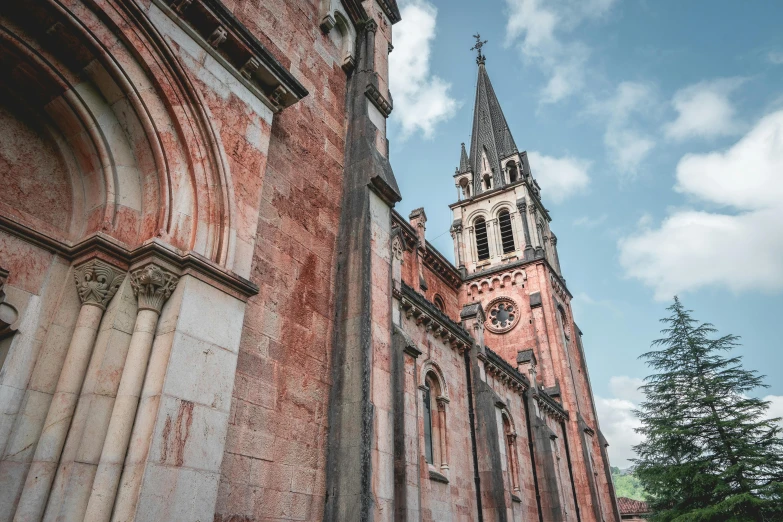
(107, 477)
(152, 286)
(522, 206)
(444, 452)
(96, 283)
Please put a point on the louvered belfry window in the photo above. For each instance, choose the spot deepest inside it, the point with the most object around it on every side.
(482, 245)
(506, 234)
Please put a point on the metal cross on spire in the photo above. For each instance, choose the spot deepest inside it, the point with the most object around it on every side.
(477, 47)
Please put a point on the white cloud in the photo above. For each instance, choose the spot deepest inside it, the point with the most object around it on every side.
(626, 145)
(535, 27)
(560, 178)
(582, 299)
(627, 387)
(617, 424)
(775, 408)
(590, 222)
(704, 110)
(421, 99)
(775, 57)
(740, 248)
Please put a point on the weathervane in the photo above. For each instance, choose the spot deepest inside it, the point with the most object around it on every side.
(479, 44)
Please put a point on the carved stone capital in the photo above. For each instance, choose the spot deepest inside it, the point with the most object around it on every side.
(152, 286)
(97, 282)
(371, 26)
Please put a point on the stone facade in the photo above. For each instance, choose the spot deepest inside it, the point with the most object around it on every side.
(209, 309)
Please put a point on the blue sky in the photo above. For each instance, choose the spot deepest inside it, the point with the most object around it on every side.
(655, 129)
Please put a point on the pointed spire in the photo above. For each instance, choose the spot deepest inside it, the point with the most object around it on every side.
(464, 163)
(491, 135)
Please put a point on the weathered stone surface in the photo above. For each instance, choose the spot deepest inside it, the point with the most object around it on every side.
(254, 333)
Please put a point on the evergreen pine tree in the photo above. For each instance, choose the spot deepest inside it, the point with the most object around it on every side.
(709, 453)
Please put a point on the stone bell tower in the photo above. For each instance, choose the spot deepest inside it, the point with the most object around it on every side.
(507, 253)
(499, 217)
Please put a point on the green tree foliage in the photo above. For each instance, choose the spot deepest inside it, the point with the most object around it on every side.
(627, 485)
(709, 454)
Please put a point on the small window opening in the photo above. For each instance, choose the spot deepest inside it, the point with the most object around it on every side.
(482, 244)
(435, 440)
(513, 174)
(428, 422)
(506, 234)
(439, 303)
(511, 453)
(487, 182)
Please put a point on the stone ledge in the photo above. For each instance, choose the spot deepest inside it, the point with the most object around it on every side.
(110, 249)
(438, 477)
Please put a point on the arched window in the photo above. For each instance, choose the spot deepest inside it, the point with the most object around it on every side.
(439, 304)
(513, 173)
(506, 234)
(435, 442)
(482, 244)
(510, 437)
(487, 182)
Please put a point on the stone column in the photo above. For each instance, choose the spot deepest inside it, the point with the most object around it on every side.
(470, 246)
(96, 283)
(522, 207)
(539, 245)
(491, 241)
(152, 286)
(456, 236)
(444, 443)
(513, 462)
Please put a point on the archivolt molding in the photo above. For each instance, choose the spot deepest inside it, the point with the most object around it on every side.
(187, 195)
(431, 366)
(507, 205)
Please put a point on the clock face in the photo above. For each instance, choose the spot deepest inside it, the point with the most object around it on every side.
(502, 315)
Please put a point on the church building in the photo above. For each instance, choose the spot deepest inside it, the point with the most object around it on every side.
(211, 311)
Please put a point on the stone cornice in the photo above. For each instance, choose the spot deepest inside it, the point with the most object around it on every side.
(382, 104)
(536, 202)
(217, 30)
(425, 313)
(497, 366)
(106, 247)
(356, 10)
(550, 406)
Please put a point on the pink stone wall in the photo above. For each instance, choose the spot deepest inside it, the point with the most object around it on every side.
(455, 500)
(275, 451)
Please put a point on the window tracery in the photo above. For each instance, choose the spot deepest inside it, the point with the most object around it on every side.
(502, 315)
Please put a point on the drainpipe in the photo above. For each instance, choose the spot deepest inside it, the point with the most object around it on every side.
(570, 471)
(533, 456)
(471, 416)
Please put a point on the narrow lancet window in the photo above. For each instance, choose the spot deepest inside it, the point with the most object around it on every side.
(482, 245)
(506, 234)
(428, 424)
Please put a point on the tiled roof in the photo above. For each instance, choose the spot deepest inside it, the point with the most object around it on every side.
(629, 506)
